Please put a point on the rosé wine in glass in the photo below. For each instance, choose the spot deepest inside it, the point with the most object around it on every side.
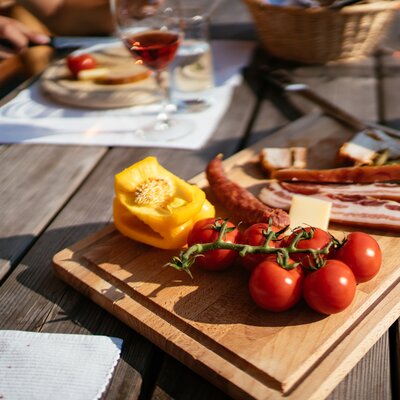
(151, 30)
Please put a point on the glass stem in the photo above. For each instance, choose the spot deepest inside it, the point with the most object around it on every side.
(163, 116)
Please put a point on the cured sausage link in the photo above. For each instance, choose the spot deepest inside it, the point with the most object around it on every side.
(240, 202)
(382, 173)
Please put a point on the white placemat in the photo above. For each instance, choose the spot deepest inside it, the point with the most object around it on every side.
(32, 118)
(52, 366)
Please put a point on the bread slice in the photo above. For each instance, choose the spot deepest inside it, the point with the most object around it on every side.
(115, 66)
(354, 154)
(368, 147)
(274, 158)
(115, 74)
(92, 74)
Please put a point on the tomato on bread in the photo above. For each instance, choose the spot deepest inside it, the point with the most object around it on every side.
(80, 62)
(84, 67)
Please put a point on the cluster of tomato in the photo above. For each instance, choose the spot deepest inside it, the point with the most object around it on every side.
(326, 282)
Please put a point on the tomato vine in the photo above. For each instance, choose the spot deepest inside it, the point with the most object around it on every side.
(187, 257)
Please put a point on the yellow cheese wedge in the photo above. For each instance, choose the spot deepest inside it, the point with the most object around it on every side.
(308, 211)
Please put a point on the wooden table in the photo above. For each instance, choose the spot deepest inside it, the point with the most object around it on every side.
(53, 196)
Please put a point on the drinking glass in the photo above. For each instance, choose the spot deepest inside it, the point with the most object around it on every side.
(192, 70)
(151, 31)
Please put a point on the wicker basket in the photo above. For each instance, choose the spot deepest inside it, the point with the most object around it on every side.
(320, 35)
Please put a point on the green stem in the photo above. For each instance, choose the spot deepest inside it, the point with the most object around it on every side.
(187, 257)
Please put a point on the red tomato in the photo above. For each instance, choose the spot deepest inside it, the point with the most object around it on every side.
(275, 288)
(331, 288)
(207, 231)
(80, 62)
(319, 240)
(361, 252)
(254, 236)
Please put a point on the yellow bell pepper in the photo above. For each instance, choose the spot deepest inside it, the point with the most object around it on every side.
(154, 206)
(175, 238)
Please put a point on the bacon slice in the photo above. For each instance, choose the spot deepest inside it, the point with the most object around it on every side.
(377, 190)
(347, 209)
(382, 173)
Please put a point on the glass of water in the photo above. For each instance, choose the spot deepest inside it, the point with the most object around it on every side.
(192, 69)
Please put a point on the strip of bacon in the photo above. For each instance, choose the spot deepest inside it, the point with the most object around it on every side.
(347, 209)
(368, 174)
(378, 190)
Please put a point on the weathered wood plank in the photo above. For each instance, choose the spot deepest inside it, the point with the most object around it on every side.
(268, 120)
(188, 385)
(370, 378)
(395, 354)
(3, 148)
(35, 183)
(390, 89)
(345, 87)
(342, 84)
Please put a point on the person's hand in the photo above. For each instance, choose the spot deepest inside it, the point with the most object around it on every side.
(15, 36)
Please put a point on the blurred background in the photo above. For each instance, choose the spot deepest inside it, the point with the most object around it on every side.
(34, 60)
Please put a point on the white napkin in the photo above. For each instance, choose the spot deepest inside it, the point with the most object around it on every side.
(55, 366)
(32, 118)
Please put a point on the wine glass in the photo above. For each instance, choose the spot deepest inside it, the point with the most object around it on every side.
(151, 31)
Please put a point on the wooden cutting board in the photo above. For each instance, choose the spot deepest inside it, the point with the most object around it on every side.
(59, 85)
(211, 324)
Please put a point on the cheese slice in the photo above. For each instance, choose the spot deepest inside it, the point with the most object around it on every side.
(309, 211)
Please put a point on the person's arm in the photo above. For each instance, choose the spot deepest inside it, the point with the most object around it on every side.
(72, 17)
(15, 36)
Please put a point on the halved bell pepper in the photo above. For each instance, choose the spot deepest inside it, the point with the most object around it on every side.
(156, 196)
(156, 207)
(174, 238)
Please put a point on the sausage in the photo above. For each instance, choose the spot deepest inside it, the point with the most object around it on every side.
(240, 202)
(381, 173)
